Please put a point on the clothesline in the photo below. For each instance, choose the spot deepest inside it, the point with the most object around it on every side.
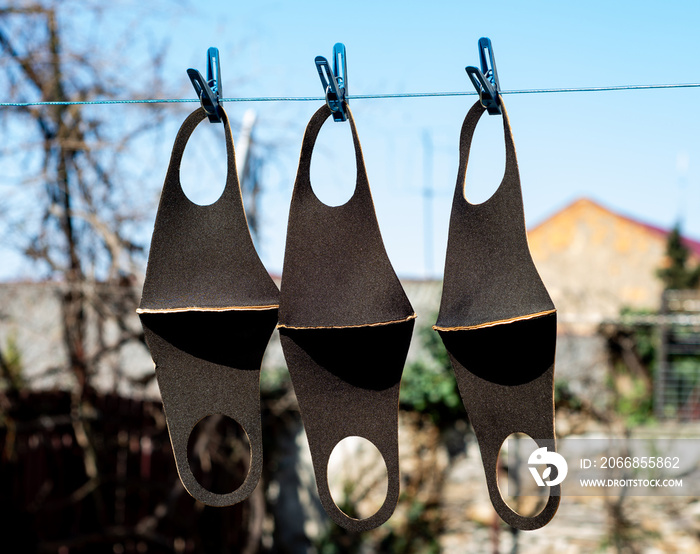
(349, 97)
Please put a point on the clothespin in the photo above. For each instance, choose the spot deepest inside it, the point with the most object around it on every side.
(335, 83)
(485, 81)
(209, 91)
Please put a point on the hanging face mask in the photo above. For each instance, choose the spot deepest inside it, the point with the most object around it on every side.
(498, 323)
(345, 326)
(208, 310)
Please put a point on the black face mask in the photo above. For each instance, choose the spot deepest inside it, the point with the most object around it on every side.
(498, 322)
(208, 310)
(345, 326)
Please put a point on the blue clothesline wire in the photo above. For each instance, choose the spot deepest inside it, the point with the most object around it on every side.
(350, 97)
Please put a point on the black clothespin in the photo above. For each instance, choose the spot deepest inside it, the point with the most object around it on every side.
(485, 81)
(209, 91)
(335, 83)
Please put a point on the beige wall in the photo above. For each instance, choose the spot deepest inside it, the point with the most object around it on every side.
(595, 262)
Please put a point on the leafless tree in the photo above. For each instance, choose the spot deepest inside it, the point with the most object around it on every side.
(67, 201)
(77, 196)
(70, 205)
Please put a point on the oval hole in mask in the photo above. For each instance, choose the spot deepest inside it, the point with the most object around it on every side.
(487, 160)
(516, 482)
(333, 171)
(218, 452)
(357, 477)
(203, 167)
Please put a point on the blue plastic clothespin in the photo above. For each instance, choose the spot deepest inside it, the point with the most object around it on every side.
(485, 81)
(335, 83)
(209, 91)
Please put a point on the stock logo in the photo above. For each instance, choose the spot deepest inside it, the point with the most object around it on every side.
(542, 456)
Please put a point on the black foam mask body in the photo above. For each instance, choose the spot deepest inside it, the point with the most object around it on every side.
(345, 325)
(208, 310)
(498, 322)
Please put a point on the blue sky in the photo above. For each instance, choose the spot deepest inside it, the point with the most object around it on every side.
(636, 152)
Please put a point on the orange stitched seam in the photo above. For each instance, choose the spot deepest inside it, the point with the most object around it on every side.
(285, 326)
(203, 309)
(494, 323)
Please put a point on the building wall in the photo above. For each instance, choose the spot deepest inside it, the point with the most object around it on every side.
(31, 318)
(595, 262)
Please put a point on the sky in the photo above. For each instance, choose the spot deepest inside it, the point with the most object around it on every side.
(636, 152)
